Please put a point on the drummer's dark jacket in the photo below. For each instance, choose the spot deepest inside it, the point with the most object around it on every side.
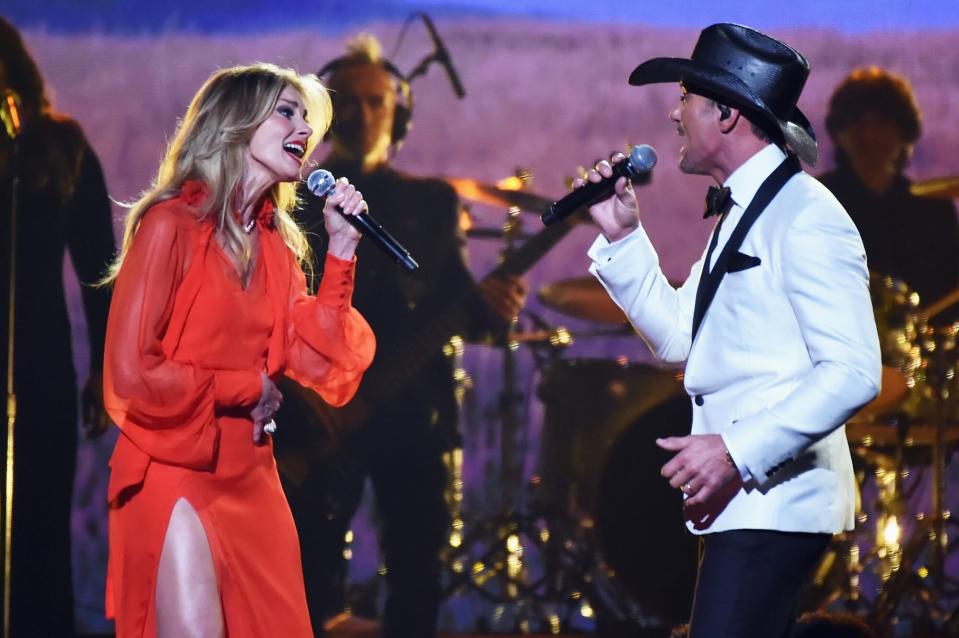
(914, 239)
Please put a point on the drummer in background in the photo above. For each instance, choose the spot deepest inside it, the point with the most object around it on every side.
(400, 448)
(874, 122)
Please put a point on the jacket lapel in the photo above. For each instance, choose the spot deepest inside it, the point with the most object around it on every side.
(709, 280)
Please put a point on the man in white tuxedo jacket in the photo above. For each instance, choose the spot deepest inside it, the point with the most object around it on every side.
(774, 323)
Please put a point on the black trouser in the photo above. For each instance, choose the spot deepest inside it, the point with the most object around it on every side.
(402, 456)
(749, 581)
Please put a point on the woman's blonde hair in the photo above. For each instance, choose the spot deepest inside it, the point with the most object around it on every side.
(211, 143)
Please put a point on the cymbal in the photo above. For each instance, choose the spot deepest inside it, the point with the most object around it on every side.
(476, 191)
(493, 233)
(583, 298)
(938, 188)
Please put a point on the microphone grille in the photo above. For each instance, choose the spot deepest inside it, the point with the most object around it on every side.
(320, 182)
(642, 158)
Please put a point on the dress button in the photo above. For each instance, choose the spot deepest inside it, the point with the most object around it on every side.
(699, 399)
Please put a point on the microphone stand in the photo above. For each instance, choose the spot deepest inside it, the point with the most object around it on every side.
(436, 56)
(423, 66)
(11, 395)
(534, 565)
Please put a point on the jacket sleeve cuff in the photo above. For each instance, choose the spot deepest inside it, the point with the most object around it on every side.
(738, 461)
(237, 388)
(336, 287)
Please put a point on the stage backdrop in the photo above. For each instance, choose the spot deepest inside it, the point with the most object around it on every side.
(545, 91)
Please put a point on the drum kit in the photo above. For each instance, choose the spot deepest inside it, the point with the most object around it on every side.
(600, 507)
(893, 566)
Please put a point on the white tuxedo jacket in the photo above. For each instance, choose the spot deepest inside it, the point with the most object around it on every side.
(786, 351)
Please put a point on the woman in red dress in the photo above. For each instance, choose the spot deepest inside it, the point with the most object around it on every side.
(209, 308)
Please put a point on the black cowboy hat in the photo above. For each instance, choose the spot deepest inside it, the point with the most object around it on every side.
(749, 70)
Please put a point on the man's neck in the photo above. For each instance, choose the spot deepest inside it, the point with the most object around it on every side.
(735, 155)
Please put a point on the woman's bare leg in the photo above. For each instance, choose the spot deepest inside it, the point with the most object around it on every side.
(187, 597)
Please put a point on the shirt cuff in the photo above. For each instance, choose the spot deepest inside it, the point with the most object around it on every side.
(744, 472)
(603, 250)
(237, 388)
(336, 287)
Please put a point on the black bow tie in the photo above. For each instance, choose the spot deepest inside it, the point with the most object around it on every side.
(718, 201)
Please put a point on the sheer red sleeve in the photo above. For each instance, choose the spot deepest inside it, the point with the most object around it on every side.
(330, 345)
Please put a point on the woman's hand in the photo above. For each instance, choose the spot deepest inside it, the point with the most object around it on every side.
(96, 421)
(270, 401)
(343, 237)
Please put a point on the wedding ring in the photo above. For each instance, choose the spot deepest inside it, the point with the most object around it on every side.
(685, 488)
(270, 427)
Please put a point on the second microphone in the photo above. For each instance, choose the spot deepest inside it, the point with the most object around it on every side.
(321, 182)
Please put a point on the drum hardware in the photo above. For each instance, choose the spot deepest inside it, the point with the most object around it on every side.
(598, 482)
(490, 233)
(453, 457)
(529, 564)
(919, 580)
(488, 558)
(937, 188)
(899, 324)
(885, 567)
(506, 193)
(943, 303)
(582, 298)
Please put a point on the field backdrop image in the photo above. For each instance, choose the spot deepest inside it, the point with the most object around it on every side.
(545, 95)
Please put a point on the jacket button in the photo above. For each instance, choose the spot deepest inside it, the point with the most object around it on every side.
(699, 399)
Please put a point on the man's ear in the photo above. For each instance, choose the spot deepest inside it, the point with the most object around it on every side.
(728, 118)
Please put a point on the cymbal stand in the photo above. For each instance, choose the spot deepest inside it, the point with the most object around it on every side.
(534, 569)
(497, 571)
(926, 585)
(12, 127)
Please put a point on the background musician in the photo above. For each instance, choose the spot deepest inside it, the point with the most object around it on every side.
(411, 423)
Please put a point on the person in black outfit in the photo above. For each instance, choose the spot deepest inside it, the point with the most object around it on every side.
(61, 203)
(400, 447)
(874, 122)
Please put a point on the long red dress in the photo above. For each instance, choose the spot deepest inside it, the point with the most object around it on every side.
(185, 346)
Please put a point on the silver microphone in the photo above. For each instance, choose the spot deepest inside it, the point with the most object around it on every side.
(321, 183)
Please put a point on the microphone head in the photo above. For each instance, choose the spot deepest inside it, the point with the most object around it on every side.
(321, 182)
(642, 158)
